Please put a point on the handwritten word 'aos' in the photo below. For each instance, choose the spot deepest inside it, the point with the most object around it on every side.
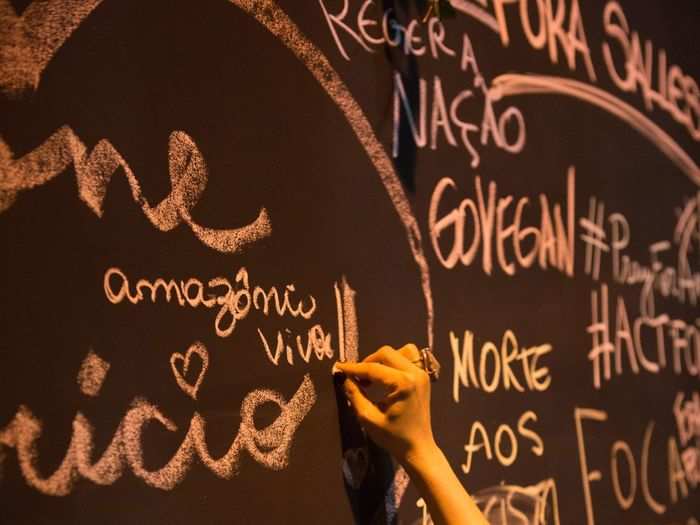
(234, 300)
(94, 170)
(687, 416)
(506, 363)
(269, 446)
(549, 244)
(623, 457)
(418, 40)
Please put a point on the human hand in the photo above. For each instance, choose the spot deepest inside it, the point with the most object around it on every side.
(400, 421)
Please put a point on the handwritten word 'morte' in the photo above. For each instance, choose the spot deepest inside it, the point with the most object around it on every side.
(234, 300)
(512, 366)
(550, 244)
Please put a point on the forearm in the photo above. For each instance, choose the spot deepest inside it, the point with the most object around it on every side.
(448, 502)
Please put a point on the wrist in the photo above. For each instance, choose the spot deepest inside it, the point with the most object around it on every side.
(422, 458)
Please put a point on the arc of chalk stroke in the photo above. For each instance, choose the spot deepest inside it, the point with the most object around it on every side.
(530, 84)
(476, 12)
(94, 170)
(29, 41)
(276, 21)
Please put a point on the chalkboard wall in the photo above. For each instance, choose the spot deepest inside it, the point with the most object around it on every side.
(204, 204)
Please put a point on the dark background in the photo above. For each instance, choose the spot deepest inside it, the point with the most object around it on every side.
(135, 71)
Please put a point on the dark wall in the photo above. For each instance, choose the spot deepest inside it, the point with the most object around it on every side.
(502, 197)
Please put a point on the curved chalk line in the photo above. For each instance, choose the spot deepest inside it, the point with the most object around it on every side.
(275, 20)
(530, 84)
(94, 170)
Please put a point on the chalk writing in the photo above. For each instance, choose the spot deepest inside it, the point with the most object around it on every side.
(92, 374)
(29, 41)
(316, 340)
(641, 341)
(517, 84)
(94, 170)
(512, 366)
(506, 454)
(348, 333)
(687, 416)
(492, 126)
(413, 38)
(594, 237)
(638, 477)
(553, 30)
(234, 301)
(201, 352)
(676, 93)
(532, 505)
(371, 29)
(275, 20)
(677, 281)
(550, 244)
(269, 446)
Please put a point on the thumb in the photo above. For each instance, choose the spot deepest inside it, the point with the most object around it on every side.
(366, 411)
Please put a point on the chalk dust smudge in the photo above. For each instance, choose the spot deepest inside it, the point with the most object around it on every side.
(29, 41)
(392, 500)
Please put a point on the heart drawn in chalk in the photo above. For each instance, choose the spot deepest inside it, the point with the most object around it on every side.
(355, 466)
(196, 349)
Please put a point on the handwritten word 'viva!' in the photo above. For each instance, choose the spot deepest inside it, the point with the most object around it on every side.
(94, 171)
(234, 300)
(550, 244)
(623, 465)
(269, 446)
